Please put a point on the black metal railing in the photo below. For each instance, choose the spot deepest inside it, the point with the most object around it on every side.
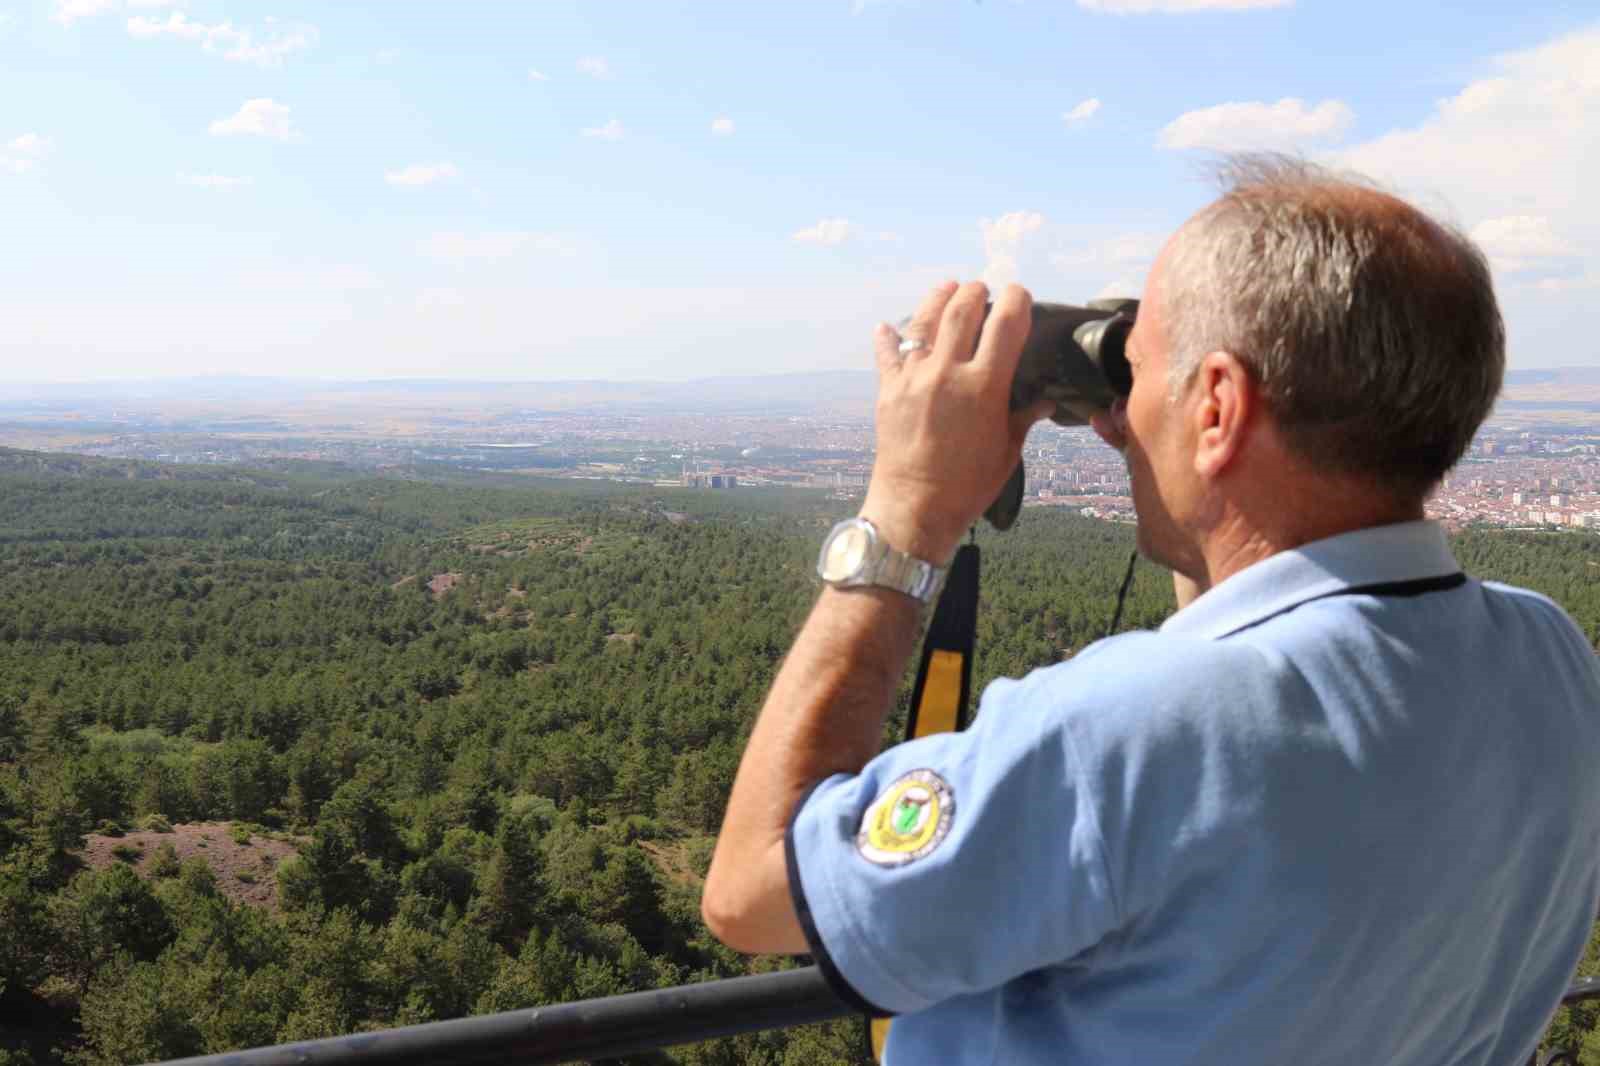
(614, 1026)
(568, 1032)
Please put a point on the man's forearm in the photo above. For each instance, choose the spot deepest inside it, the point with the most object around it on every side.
(823, 715)
(947, 441)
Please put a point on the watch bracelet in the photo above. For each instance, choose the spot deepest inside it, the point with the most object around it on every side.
(917, 578)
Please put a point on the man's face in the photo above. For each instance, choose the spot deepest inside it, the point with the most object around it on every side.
(1159, 448)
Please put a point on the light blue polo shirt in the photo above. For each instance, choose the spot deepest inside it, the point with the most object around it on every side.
(1301, 823)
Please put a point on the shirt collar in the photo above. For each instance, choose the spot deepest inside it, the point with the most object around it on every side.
(1380, 554)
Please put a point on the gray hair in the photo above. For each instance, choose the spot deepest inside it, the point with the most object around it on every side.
(1372, 330)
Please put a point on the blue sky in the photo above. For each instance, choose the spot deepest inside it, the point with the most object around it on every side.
(416, 188)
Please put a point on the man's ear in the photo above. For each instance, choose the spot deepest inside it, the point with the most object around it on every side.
(1224, 411)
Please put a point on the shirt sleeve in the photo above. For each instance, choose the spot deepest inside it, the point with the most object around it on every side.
(953, 863)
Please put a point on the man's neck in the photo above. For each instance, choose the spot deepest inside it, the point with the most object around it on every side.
(1292, 515)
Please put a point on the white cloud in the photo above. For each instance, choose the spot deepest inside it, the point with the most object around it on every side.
(68, 11)
(722, 127)
(421, 174)
(1118, 252)
(1256, 125)
(240, 46)
(1003, 238)
(1520, 243)
(1576, 283)
(1125, 287)
(261, 117)
(1110, 266)
(828, 231)
(535, 75)
(594, 66)
(1524, 141)
(24, 153)
(212, 181)
(459, 249)
(1514, 157)
(1011, 228)
(31, 145)
(611, 131)
(1082, 112)
(1177, 7)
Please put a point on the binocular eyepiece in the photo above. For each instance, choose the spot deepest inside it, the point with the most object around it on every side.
(1076, 356)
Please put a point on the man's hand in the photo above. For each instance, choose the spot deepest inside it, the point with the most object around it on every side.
(946, 444)
(947, 440)
(1185, 589)
(1109, 425)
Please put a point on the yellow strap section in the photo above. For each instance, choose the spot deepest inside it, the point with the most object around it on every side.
(941, 694)
(941, 699)
(880, 1037)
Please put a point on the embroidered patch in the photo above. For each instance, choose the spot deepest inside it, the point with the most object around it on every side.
(908, 819)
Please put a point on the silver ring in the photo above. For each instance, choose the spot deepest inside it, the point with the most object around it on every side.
(912, 344)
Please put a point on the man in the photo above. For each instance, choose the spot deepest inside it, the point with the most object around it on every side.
(1337, 810)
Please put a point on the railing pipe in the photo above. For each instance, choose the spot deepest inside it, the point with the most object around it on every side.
(588, 1029)
(604, 1028)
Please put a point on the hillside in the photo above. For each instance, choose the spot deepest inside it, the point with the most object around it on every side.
(477, 794)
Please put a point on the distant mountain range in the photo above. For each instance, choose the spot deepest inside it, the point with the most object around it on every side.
(842, 391)
(819, 392)
(1565, 375)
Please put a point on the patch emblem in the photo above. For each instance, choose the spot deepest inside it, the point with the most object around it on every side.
(908, 819)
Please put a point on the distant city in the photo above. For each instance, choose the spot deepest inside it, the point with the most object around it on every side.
(1534, 464)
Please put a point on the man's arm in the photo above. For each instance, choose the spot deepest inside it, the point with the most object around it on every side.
(946, 444)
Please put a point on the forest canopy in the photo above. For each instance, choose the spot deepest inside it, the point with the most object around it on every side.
(478, 732)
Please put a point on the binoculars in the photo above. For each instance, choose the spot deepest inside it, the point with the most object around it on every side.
(1076, 356)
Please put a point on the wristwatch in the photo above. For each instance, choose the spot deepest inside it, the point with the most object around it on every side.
(854, 555)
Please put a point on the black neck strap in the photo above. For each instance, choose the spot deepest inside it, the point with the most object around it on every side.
(1405, 589)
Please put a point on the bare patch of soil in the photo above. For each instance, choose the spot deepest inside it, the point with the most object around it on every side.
(673, 862)
(442, 583)
(246, 873)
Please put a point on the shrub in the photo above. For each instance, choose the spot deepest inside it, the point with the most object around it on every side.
(240, 834)
(127, 853)
(164, 863)
(155, 823)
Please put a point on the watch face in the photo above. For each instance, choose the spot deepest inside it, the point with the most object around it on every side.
(845, 552)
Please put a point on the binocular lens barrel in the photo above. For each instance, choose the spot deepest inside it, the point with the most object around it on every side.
(1076, 356)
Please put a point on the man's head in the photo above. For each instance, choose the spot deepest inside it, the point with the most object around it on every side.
(1310, 327)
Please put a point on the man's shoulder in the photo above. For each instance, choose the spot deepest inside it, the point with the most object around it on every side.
(1149, 681)
(1526, 599)
(1149, 660)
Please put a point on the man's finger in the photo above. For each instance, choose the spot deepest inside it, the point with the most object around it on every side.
(923, 325)
(1107, 427)
(1006, 331)
(886, 346)
(963, 316)
(1023, 420)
